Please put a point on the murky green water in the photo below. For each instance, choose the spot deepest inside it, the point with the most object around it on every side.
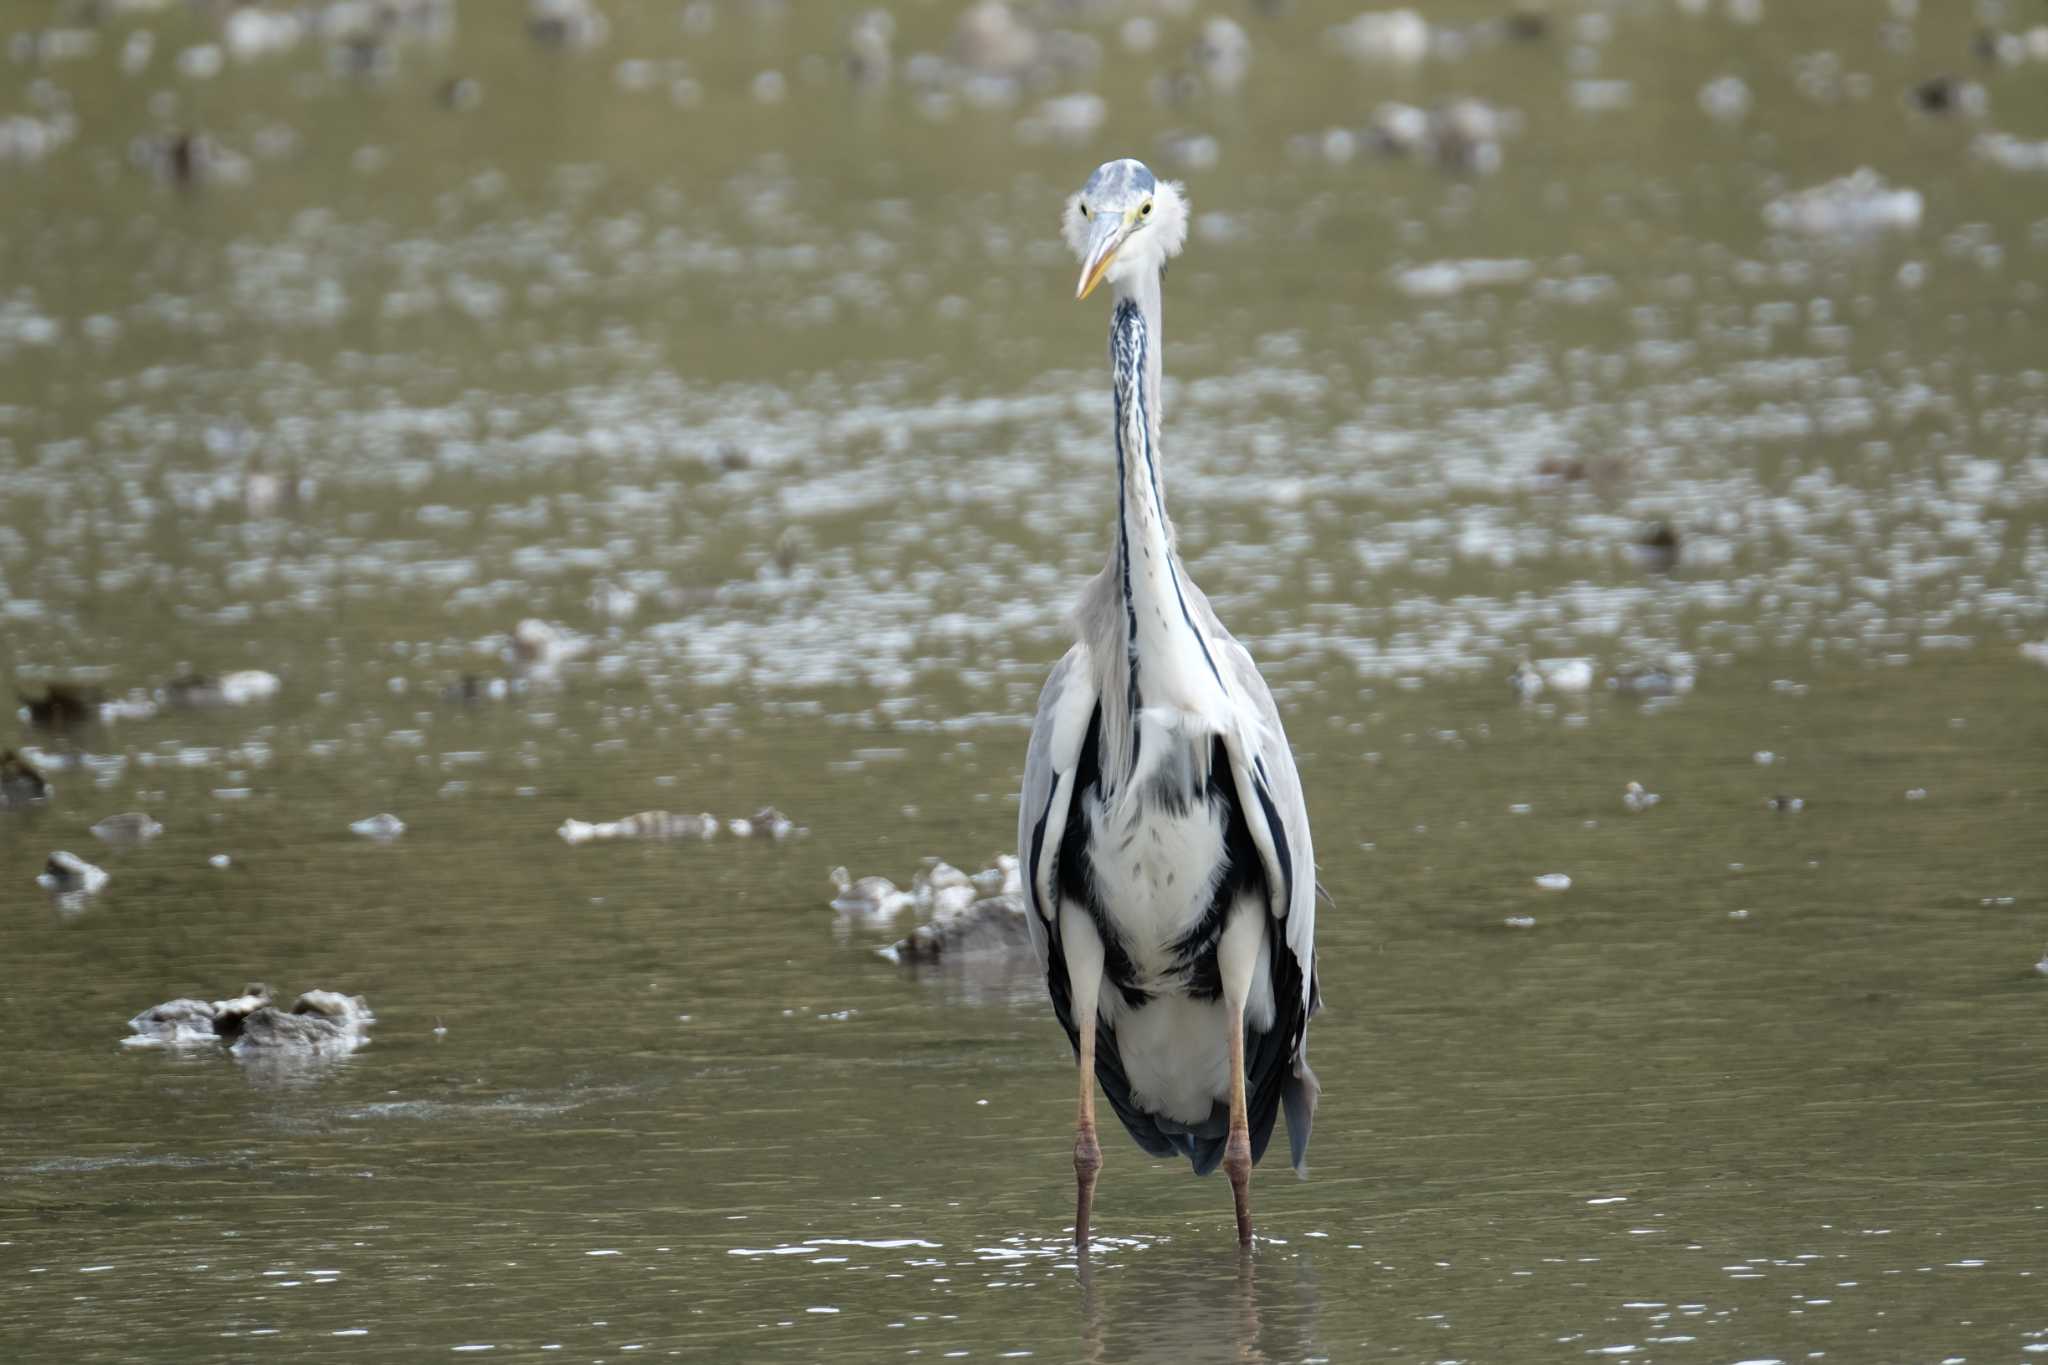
(769, 391)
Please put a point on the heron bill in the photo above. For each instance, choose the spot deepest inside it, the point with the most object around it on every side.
(1110, 233)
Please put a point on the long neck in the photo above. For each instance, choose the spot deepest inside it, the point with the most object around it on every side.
(1171, 668)
(1145, 291)
(1144, 534)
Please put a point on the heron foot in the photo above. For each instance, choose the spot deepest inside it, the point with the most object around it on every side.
(1087, 1164)
(1237, 1164)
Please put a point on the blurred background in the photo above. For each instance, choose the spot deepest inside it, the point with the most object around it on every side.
(1619, 429)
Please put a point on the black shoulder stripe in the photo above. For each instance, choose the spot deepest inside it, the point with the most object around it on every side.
(1281, 853)
(1038, 850)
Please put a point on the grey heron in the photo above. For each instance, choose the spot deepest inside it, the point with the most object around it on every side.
(1164, 839)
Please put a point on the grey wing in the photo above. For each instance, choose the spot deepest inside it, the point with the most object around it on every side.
(1280, 782)
(1269, 794)
(1065, 707)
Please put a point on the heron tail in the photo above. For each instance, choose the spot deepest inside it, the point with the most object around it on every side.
(1298, 1095)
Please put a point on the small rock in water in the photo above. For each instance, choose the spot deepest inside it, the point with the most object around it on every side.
(204, 692)
(194, 690)
(320, 1021)
(247, 686)
(1003, 878)
(1460, 135)
(471, 689)
(229, 1014)
(1635, 798)
(1554, 881)
(384, 827)
(1566, 675)
(566, 23)
(1854, 205)
(1657, 549)
(540, 648)
(220, 861)
(648, 824)
(1520, 921)
(20, 782)
(1725, 99)
(1652, 682)
(1916, 793)
(1763, 758)
(2042, 965)
(136, 706)
(2037, 650)
(875, 896)
(775, 824)
(942, 887)
(460, 94)
(991, 38)
(1948, 95)
(1442, 279)
(1559, 675)
(947, 899)
(175, 1023)
(1400, 37)
(868, 55)
(1674, 677)
(63, 706)
(68, 874)
(134, 827)
(1064, 118)
(1223, 53)
(989, 926)
(611, 600)
(1787, 805)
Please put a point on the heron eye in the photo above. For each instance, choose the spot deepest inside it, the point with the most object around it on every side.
(1146, 212)
(1084, 210)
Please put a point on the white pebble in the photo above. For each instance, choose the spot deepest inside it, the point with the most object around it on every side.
(1725, 98)
(1554, 881)
(65, 873)
(131, 828)
(200, 63)
(247, 685)
(1567, 675)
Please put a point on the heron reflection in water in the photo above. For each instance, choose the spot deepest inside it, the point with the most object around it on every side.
(1164, 839)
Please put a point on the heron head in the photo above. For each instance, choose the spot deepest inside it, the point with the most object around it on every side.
(1124, 222)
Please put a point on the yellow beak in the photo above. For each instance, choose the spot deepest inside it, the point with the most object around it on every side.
(1110, 234)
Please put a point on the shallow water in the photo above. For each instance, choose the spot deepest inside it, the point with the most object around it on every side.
(772, 397)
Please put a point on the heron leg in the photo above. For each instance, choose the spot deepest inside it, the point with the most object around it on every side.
(1237, 961)
(1237, 1148)
(1087, 1151)
(1081, 945)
